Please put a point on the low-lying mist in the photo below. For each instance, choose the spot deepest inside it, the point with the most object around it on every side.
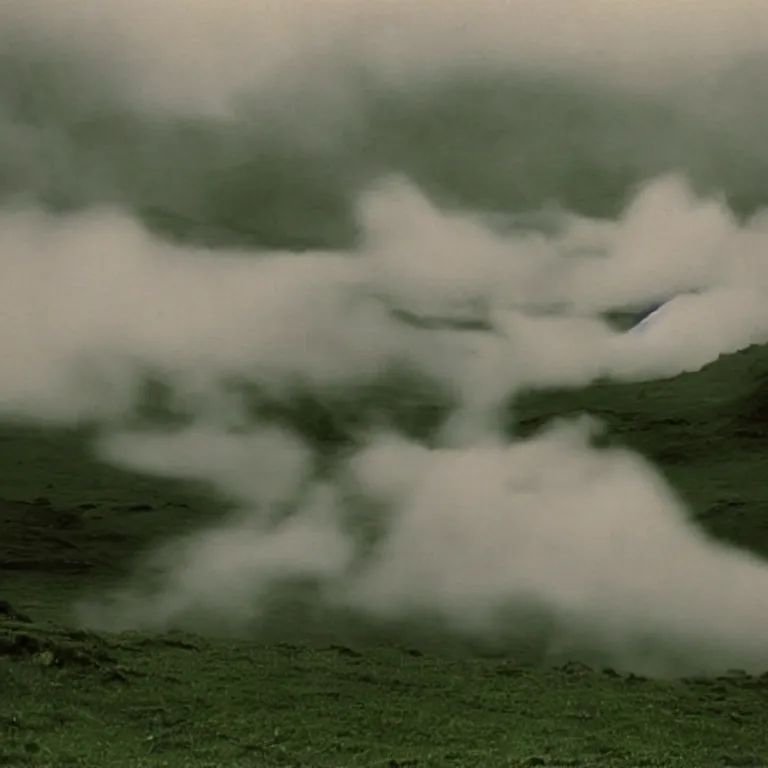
(311, 257)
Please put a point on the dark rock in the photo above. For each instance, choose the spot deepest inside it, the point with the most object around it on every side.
(139, 508)
(9, 612)
(342, 650)
(575, 668)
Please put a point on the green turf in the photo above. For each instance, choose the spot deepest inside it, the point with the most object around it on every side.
(70, 698)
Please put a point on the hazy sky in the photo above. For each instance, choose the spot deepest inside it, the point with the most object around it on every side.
(198, 55)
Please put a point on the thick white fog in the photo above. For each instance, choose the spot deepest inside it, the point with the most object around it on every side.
(486, 533)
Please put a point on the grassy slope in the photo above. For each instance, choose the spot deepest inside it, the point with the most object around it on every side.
(72, 698)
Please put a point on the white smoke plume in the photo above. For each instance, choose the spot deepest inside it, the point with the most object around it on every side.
(436, 310)
(484, 534)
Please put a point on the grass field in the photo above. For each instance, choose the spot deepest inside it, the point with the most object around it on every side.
(75, 698)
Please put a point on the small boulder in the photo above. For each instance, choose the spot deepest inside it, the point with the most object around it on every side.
(7, 611)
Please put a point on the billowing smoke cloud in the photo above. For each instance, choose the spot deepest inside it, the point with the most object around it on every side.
(379, 226)
(461, 523)
(95, 301)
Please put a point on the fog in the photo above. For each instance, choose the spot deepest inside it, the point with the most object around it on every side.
(200, 57)
(312, 257)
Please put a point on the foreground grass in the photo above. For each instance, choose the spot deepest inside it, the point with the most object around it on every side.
(76, 699)
(71, 698)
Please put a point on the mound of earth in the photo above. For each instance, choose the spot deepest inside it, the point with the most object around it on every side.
(750, 411)
(48, 645)
(8, 612)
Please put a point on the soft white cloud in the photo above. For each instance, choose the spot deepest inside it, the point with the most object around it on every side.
(490, 535)
(474, 529)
